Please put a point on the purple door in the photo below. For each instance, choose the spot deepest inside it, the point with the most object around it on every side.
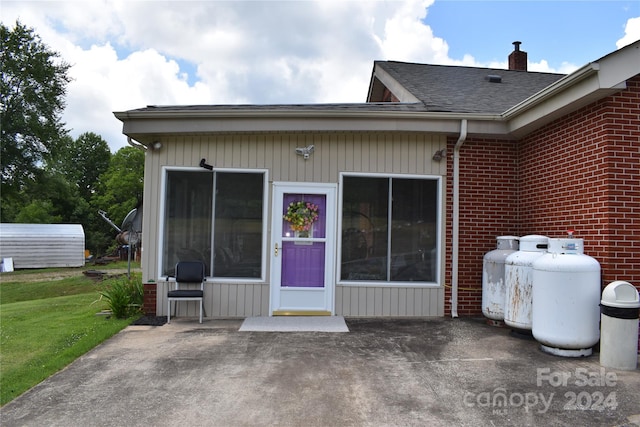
(303, 240)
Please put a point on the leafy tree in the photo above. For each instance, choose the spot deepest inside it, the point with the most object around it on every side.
(82, 161)
(38, 212)
(33, 83)
(120, 187)
(53, 191)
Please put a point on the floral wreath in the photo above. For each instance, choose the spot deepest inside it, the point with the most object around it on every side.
(301, 215)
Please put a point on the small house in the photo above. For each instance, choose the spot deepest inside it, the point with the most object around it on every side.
(386, 208)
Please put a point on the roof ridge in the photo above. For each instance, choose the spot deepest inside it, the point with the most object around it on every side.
(465, 66)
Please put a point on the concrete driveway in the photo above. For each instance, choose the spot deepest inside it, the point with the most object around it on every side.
(440, 372)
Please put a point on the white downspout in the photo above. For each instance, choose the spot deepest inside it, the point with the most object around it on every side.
(136, 144)
(456, 219)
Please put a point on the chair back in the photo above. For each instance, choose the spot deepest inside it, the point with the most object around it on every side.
(190, 272)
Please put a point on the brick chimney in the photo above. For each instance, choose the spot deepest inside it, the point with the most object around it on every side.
(518, 58)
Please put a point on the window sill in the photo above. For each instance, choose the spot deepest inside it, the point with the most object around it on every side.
(433, 285)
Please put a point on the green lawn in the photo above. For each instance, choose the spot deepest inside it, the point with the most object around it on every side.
(45, 325)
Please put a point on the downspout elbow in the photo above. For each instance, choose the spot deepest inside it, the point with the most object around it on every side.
(456, 220)
(462, 138)
(136, 144)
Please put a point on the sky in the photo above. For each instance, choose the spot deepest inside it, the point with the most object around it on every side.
(127, 54)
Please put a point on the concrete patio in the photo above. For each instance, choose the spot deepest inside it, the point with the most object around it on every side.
(413, 372)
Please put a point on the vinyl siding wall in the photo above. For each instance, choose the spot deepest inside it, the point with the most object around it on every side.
(385, 153)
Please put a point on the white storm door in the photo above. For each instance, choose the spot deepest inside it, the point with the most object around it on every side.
(303, 261)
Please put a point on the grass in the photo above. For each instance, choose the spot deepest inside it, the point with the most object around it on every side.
(45, 325)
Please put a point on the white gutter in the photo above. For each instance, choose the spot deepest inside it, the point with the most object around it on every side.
(136, 144)
(456, 220)
(553, 89)
(219, 112)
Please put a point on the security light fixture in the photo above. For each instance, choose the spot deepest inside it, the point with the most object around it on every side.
(438, 155)
(305, 152)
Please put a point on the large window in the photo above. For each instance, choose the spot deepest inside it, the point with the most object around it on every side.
(229, 219)
(389, 229)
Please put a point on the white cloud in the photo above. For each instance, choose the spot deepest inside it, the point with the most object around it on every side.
(407, 38)
(125, 54)
(102, 84)
(631, 32)
(128, 54)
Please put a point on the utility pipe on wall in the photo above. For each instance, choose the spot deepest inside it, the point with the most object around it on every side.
(456, 219)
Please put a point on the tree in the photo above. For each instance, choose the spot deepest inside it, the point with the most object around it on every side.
(52, 191)
(38, 212)
(33, 83)
(82, 161)
(120, 187)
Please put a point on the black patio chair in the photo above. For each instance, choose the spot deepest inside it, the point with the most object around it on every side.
(187, 272)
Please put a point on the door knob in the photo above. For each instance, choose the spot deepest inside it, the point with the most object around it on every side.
(276, 254)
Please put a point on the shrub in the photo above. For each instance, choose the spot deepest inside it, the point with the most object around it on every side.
(124, 296)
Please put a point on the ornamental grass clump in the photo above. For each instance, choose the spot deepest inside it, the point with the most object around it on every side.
(124, 296)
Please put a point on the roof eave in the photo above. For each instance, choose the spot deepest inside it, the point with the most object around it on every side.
(145, 126)
(588, 84)
(398, 90)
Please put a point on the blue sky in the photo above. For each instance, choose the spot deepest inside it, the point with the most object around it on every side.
(556, 31)
(131, 53)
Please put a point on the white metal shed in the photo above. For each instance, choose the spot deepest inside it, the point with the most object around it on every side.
(42, 245)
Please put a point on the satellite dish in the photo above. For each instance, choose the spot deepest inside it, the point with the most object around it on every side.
(129, 233)
(133, 220)
(132, 226)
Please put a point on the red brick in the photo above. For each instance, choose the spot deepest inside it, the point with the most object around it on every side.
(580, 172)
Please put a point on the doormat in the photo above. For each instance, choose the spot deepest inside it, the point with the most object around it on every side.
(294, 324)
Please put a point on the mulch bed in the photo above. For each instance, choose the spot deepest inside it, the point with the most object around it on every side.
(151, 321)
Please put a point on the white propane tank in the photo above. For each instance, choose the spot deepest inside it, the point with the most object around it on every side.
(493, 277)
(566, 297)
(518, 274)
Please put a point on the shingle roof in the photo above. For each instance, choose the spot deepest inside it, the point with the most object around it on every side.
(466, 89)
(310, 108)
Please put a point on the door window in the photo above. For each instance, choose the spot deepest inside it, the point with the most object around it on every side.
(303, 245)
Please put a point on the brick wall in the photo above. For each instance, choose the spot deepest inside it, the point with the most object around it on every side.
(623, 125)
(488, 208)
(149, 299)
(581, 172)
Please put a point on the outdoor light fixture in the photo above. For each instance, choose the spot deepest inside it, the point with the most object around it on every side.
(305, 152)
(156, 145)
(203, 164)
(438, 155)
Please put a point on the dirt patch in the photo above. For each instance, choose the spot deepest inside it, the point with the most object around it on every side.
(45, 276)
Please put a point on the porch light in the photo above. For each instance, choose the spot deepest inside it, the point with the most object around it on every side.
(438, 155)
(305, 152)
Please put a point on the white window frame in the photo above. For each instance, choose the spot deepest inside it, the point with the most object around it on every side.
(265, 217)
(439, 238)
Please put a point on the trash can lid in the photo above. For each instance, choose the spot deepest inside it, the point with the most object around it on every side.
(620, 294)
